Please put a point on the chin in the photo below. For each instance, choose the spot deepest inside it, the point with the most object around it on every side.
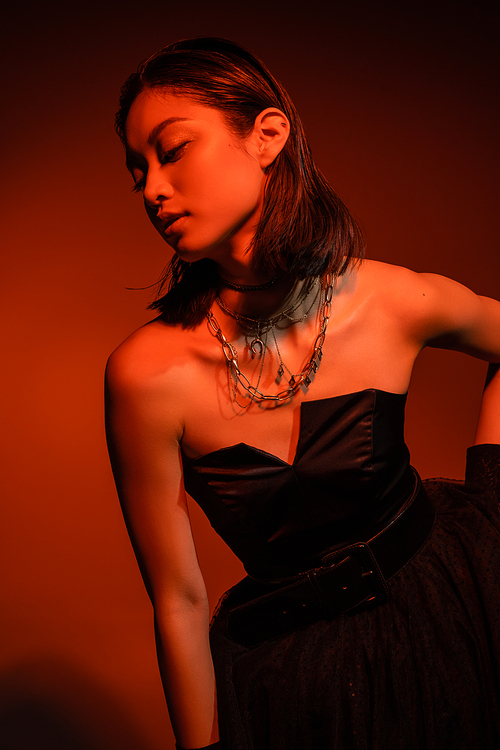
(193, 251)
(189, 254)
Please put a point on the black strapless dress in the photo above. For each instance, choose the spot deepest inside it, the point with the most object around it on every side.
(419, 671)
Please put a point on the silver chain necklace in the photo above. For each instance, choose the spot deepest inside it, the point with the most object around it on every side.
(304, 378)
(263, 325)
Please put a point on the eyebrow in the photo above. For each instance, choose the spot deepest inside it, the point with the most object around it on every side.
(161, 127)
(129, 154)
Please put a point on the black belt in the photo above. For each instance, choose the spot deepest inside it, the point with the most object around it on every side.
(349, 580)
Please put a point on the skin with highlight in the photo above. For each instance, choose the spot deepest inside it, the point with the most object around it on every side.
(194, 168)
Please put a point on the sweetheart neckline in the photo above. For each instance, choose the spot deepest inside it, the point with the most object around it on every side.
(188, 462)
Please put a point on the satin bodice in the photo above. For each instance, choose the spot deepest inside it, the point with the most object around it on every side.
(349, 476)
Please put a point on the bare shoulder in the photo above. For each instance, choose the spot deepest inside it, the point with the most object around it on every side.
(415, 293)
(147, 356)
(146, 380)
(399, 280)
(393, 291)
(387, 277)
(433, 309)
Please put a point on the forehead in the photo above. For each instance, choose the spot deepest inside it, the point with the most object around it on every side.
(156, 107)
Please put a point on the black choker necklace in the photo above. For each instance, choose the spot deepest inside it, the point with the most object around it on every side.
(248, 287)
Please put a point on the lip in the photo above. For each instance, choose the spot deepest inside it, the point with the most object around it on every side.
(167, 222)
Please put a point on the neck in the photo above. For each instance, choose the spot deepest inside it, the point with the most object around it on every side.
(267, 302)
(248, 287)
(259, 336)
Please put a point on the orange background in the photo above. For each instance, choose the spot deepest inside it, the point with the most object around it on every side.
(400, 101)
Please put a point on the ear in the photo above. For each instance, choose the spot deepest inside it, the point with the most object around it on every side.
(269, 135)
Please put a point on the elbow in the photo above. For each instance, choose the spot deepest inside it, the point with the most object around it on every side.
(176, 621)
(181, 607)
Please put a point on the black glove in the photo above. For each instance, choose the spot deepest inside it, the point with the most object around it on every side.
(213, 746)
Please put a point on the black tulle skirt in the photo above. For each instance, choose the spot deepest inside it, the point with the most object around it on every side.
(420, 671)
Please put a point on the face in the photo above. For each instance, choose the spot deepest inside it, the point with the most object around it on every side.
(202, 186)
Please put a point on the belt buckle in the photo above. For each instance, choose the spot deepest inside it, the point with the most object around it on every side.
(366, 572)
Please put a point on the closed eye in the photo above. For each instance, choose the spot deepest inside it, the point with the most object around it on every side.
(169, 157)
(173, 155)
(138, 186)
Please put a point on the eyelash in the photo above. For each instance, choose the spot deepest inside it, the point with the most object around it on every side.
(167, 158)
(174, 154)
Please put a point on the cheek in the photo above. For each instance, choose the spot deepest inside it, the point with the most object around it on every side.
(239, 183)
(221, 185)
(229, 170)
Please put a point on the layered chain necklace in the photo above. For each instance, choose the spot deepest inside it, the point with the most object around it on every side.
(259, 331)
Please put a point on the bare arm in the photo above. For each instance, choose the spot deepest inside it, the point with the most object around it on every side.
(456, 318)
(488, 428)
(469, 323)
(143, 434)
(433, 310)
(453, 317)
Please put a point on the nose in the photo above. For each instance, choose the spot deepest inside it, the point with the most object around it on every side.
(157, 188)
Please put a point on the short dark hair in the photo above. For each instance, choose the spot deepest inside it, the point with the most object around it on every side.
(305, 229)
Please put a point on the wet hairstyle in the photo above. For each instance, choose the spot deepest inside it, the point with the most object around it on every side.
(305, 229)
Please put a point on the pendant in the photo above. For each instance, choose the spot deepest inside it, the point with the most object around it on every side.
(257, 346)
(279, 374)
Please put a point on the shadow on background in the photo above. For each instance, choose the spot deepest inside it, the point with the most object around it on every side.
(46, 704)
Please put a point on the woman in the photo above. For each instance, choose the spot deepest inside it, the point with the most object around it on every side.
(272, 386)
